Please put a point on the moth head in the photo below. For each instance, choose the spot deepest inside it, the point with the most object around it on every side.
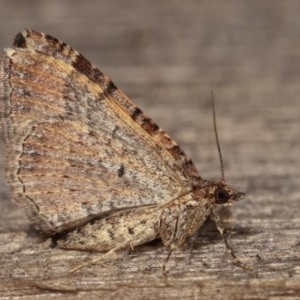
(225, 194)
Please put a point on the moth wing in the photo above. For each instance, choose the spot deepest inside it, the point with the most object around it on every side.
(77, 146)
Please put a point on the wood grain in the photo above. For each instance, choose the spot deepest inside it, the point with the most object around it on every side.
(167, 57)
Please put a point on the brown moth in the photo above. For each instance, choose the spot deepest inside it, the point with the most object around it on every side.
(85, 162)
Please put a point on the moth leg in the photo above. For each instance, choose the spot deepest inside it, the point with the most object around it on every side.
(179, 222)
(229, 248)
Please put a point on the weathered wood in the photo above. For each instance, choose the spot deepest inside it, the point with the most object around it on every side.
(168, 56)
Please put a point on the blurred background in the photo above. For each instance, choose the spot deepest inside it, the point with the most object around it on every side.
(168, 56)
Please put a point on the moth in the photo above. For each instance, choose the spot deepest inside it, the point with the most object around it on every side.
(85, 163)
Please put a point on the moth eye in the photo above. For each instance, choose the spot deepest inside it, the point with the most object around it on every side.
(221, 196)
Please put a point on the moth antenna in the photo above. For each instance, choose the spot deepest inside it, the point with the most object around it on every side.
(216, 135)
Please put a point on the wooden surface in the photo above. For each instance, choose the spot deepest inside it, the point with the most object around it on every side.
(167, 56)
